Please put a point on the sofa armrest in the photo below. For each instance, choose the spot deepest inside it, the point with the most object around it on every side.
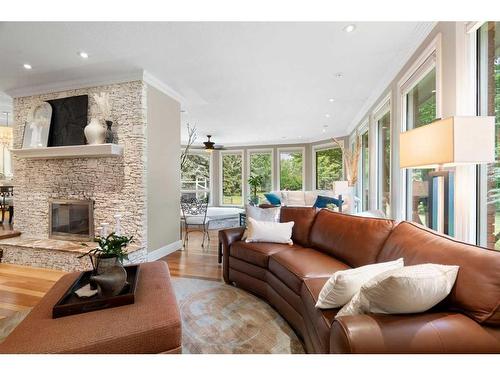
(439, 332)
(226, 238)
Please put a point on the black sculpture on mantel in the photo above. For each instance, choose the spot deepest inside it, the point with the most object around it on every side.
(69, 118)
(110, 137)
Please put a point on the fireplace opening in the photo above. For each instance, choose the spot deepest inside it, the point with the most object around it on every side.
(71, 219)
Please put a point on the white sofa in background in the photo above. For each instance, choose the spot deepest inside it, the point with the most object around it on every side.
(305, 198)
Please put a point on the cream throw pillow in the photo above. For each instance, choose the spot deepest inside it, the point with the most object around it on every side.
(343, 285)
(267, 231)
(293, 198)
(406, 290)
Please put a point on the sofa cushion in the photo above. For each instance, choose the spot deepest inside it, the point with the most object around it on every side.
(477, 289)
(320, 320)
(258, 253)
(292, 267)
(303, 218)
(352, 239)
(293, 198)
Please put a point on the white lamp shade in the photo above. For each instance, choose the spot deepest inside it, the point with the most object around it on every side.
(340, 187)
(448, 142)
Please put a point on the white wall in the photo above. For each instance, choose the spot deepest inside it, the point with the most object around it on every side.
(163, 171)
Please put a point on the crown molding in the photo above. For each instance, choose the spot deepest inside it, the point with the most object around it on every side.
(163, 87)
(102, 80)
(422, 30)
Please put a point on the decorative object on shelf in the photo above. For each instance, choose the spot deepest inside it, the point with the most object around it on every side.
(68, 121)
(95, 133)
(104, 229)
(255, 182)
(110, 137)
(106, 259)
(37, 126)
(351, 159)
(191, 131)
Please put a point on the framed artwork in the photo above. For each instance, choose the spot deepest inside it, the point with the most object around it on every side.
(37, 126)
(69, 118)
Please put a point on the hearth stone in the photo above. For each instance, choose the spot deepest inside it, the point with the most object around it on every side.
(56, 254)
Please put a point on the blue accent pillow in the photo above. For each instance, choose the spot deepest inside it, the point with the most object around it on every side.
(273, 199)
(322, 201)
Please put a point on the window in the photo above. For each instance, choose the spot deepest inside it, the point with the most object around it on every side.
(328, 167)
(291, 169)
(488, 41)
(365, 170)
(260, 163)
(232, 178)
(384, 163)
(195, 175)
(420, 109)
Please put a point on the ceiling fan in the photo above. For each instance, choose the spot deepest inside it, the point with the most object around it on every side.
(210, 146)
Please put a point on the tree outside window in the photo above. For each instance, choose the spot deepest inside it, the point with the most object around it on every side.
(232, 169)
(261, 165)
(328, 167)
(291, 164)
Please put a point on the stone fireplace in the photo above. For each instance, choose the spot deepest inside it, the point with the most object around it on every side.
(71, 219)
(59, 201)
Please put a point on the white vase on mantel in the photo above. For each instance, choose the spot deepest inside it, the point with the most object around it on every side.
(95, 133)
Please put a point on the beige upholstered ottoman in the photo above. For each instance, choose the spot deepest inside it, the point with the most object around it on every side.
(151, 325)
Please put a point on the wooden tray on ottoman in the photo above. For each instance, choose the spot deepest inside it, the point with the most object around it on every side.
(71, 304)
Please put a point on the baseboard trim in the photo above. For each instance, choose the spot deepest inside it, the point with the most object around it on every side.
(164, 251)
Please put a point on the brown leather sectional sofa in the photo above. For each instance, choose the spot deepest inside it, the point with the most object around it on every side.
(291, 277)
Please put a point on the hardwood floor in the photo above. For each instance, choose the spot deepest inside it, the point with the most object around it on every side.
(196, 261)
(22, 287)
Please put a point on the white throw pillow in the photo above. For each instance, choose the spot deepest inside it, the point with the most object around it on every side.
(343, 285)
(310, 198)
(263, 214)
(267, 231)
(406, 290)
(294, 198)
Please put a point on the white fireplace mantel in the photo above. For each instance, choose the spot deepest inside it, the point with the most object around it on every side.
(106, 150)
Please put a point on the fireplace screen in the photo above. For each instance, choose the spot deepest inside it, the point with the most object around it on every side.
(71, 220)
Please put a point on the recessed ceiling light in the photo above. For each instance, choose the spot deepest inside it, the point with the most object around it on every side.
(331, 100)
(324, 128)
(27, 66)
(339, 75)
(350, 28)
(327, 115)
(83, 55)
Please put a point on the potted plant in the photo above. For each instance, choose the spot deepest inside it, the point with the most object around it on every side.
(255, 182)
(106, 259)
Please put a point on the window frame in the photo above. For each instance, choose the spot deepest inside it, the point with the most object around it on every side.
(302, 149)
(210, 173)
(221, 177)
(322, 147)
(428, 60)
(380, 111)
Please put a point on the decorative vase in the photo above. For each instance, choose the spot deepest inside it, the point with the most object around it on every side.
(111, 276)
(110, 137)
(95, 132)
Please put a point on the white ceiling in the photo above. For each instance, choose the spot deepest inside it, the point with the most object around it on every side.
(244, 83)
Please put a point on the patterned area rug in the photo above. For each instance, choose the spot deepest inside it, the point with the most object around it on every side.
(217, 318)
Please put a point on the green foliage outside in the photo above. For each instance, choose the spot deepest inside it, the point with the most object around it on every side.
(291, 165)
(260, 165)
(328, 167)
(232, 168)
